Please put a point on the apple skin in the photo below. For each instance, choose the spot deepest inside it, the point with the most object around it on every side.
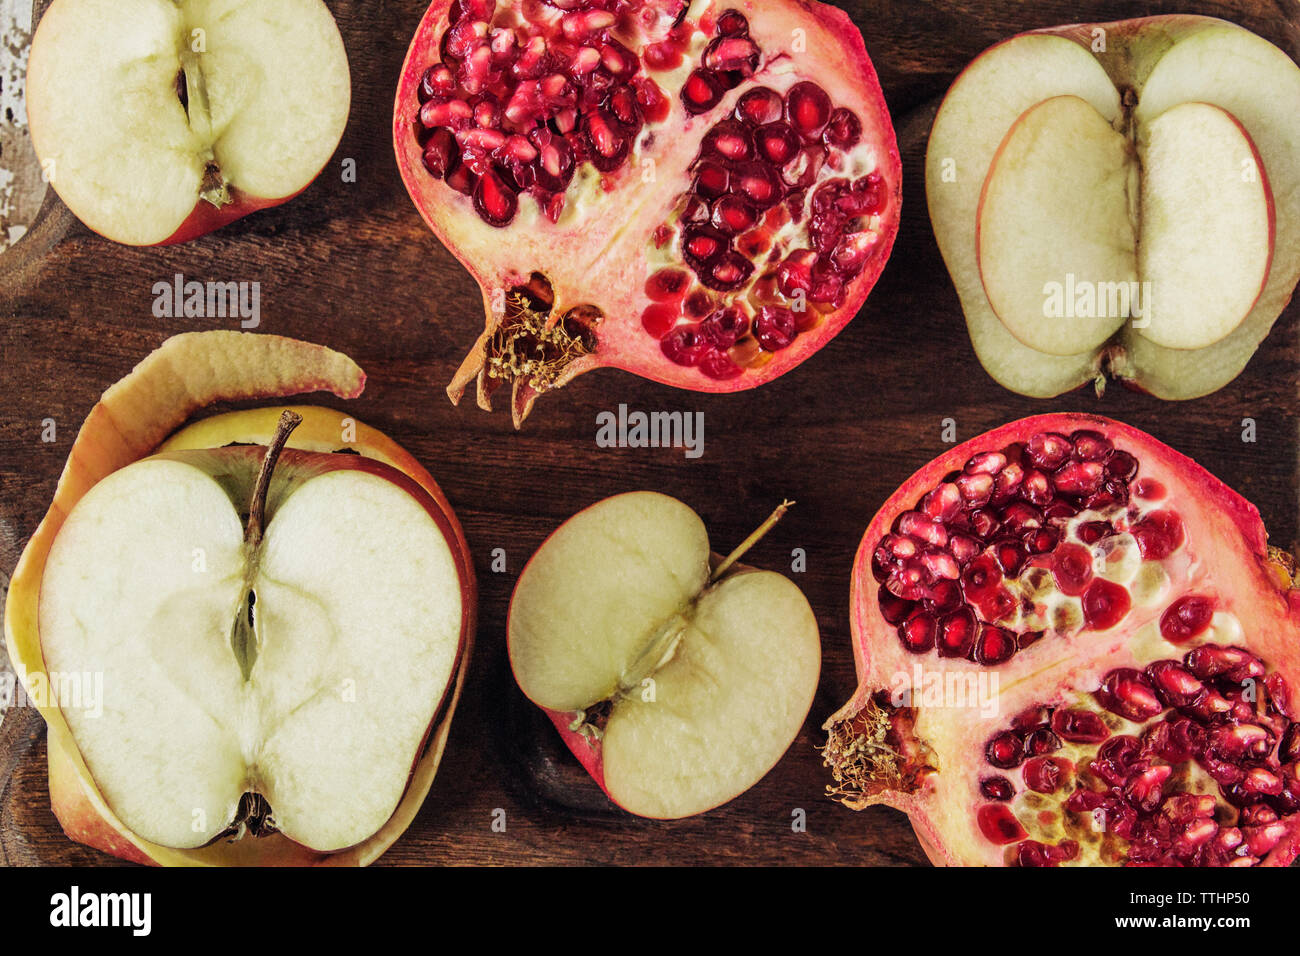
(131, 421)
(208, 218)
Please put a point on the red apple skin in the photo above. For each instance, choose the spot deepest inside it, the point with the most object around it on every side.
(208, 218)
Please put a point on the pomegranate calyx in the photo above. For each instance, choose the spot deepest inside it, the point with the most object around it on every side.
(873, 754)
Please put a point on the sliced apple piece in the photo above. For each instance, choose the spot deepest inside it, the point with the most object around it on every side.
(158, 121)
(1054, 210)
(1198, 294)
(304, 666)
(987, 99)
(693, 682)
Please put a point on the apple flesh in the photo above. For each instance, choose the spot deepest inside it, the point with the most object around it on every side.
(158, 121)
(677, 686)
(305, 666)
(1210, 187)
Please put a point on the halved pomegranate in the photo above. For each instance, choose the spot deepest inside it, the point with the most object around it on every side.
(701, 193)
(1074, 646)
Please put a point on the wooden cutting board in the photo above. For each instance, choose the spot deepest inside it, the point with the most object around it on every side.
(352, 266)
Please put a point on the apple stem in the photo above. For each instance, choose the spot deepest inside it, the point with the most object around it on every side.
(257, 505)
(752, 540)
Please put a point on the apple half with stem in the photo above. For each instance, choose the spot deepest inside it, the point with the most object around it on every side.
(157, 121)
(1120, 199)
(278, 678)
(677, 679)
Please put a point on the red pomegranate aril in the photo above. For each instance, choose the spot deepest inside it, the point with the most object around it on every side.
(732, 54)
(712, 180)
(1040, 741)
(1145, 790)
(1010, 555)
(684, 346)
(986, 463)
(964, 548)
(724, 327)
(894, 609)
(1005, 751)
(1116, 759)
(1212, 660)
(1105, 604)
(1121, 465)
(729, 139)
(698, 304)
(1090, 445)
(1241, 742)
(659, 319)
(1289, 750)
(1129, 693)
(918, 632)
(999, 825)
(981, 578)
(1079, 726)
(1159, 534)
(794, 275)
(438, 80)
(1032, 853)
(662, 56)
(733, 215)
(719, 366)
(702, 245)
(759, 183)
(667, 285)
(777, 143)
(732, 23)
(1048, 451)
(1174, 684)
(462, 179)
(1041, 540)
(609, 147)
(1090, 532)
(956, 635)
(844, 131)
(808, 109)
(495, 201)
(1072, 569)
(976, 490)
(995, 645)
(1084, 801)
(728, 273)
(914, 524)
(1080, 478)
(1045, 774)
(760, 107)
(774, 327)
(701, 92)
(944, 596)
(997, 788)
(441, 152)
(1020, 516)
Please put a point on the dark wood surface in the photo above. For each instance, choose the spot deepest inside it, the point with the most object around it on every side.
(352, 266)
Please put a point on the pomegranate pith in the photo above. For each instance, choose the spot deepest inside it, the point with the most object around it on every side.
(584, 148)
(1146, 713)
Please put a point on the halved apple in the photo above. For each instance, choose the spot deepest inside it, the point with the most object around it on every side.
(160, 120)
(195, 704)
(677, 683)
(1154, 236)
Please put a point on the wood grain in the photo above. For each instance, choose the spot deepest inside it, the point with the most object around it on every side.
(352, 266)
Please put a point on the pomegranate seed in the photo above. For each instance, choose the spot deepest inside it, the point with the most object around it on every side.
(997, 788)
(1212, 660)
(1121, 465)
(944, 596)
(1090, 532)
(976, 490)
(441, 152)
(1174, 684)
(732, 23)
(1081, 478)
(794, 275)
(1072, 569)
(684, 346)
(1048, 451)
(1261, 781)
(1159, 535)
(918, 632)
(893, 609)
(733, 215)
(666, 285)
(1079, 726)
(728, 273)
(1036, 488)
(1290, 749)
(758, 182)
(1010, 556)
(964, 548)
(1020, 517)
(659, 320)
(1127, 692)
(1091, 446)
(1262, 839)
(943, 503)
(1084, 801)
(462, 179)
(957, 635)
(712, 180)
(986, 463)
(1045, 774)
(774, 327)
(701, 92)
(724, 327)
(981, 578)
(438, 80)
(1117, 758)
(1033, 853)
(581, 25)
(777, 143)
(995, 645)
(999, 825)
(719, 366)
(1241, 742)
(1041, 540)
(844, 131)
(730, 140)
(808, 109)
(495, 202)
(1105, 604)
(732, 54)
(760, 107)
(702, 245)
(1041, 741)
(1144, 790)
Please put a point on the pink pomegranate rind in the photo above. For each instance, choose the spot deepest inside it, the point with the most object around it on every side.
(1156, 728)
(580, 157)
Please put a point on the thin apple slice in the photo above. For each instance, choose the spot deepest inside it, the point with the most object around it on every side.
(1204, 279)
(1223, 64)
(704, 678)
(358, 633)
(725, 707)
(1055, 212)
(984, 102)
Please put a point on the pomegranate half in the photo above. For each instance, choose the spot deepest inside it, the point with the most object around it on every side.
(699, 193)
(1075, 646)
